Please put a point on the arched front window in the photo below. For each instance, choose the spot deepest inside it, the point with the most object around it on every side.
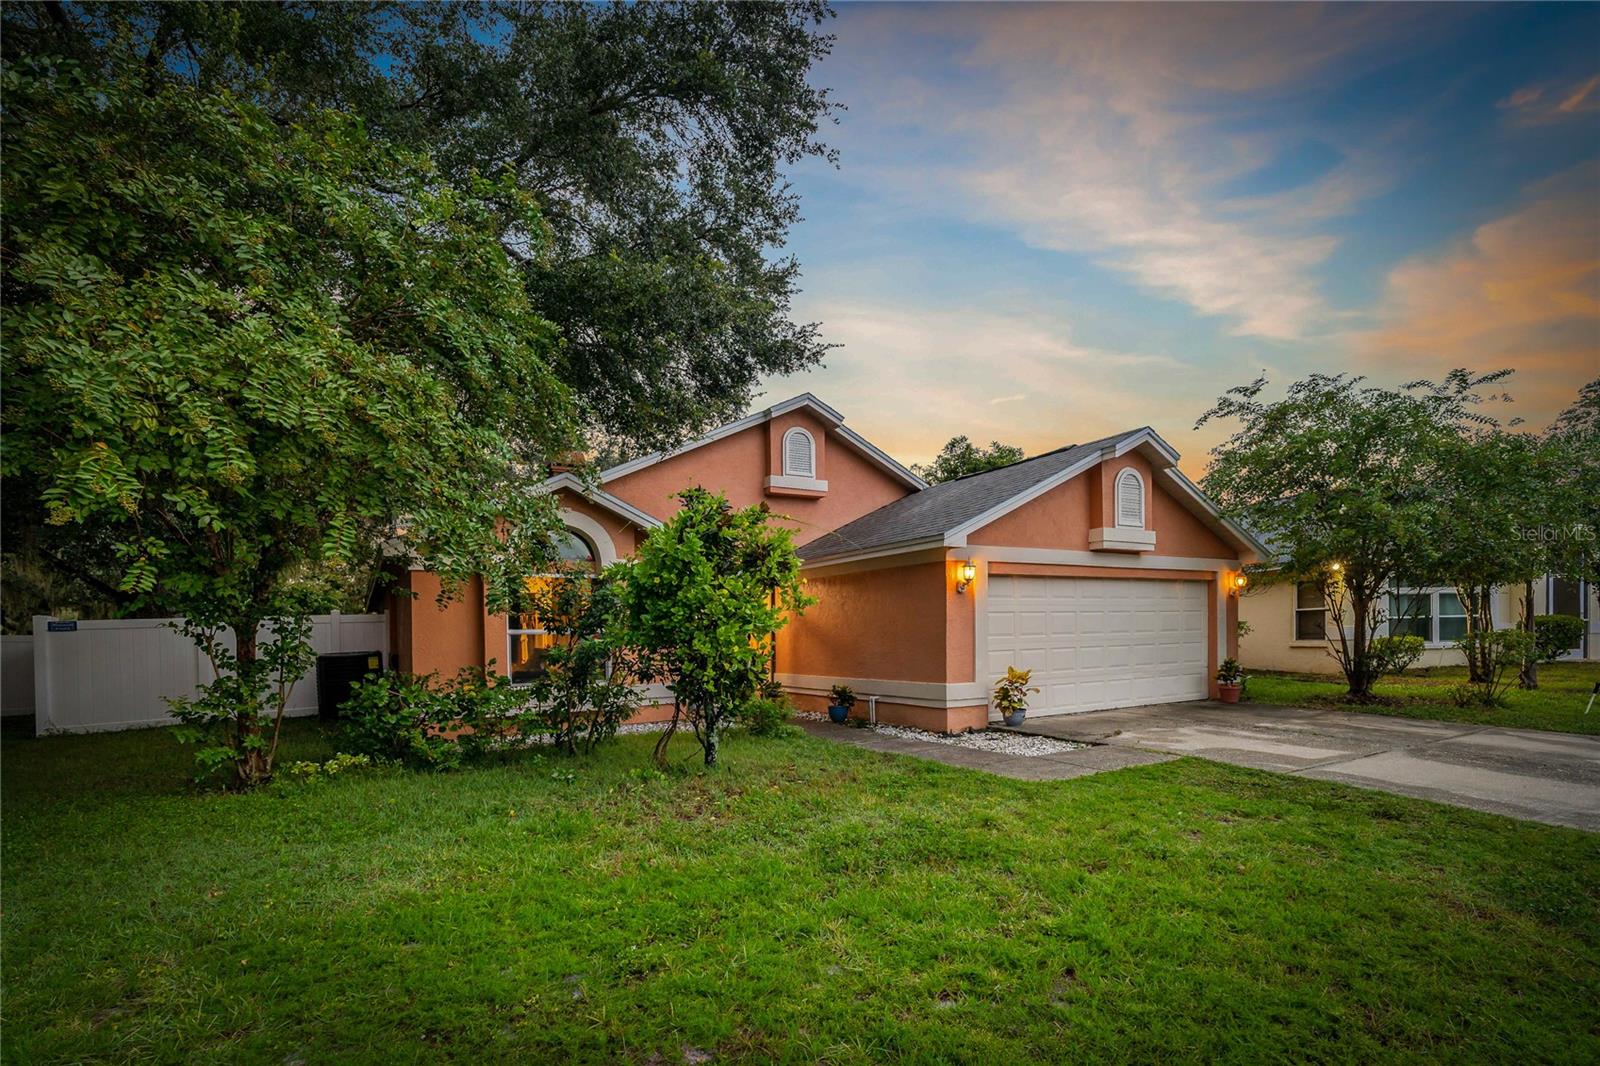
(527, 641)
(1130, 500)
(799, 454)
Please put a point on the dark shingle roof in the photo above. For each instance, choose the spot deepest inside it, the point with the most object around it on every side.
(938, 509)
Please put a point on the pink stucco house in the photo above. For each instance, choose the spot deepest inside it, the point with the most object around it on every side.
(1099, 566)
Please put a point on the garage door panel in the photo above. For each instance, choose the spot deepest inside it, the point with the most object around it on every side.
(1099, 642)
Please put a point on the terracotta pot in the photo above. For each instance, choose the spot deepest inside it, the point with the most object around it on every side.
(1229, 693)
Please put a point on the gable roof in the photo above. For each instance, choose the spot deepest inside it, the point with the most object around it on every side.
(601, 498)
(943, 515)
(832, 418)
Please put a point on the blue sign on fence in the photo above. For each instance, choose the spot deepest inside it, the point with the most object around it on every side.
(61, 627)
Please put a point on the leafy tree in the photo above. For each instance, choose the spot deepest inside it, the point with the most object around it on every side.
(241, 353)
(653, 136)
(704, 599)
(583, 692)
(1341, 478)
(960, 457)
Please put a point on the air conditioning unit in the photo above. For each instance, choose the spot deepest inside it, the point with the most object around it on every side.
(337, 673)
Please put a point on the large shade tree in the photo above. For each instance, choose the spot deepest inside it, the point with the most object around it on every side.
(1341, 479)
(654, 138)
(240, 354)
(960, 457)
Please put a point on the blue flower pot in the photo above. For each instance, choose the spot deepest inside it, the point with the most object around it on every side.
(839, 714)
(1016, 718)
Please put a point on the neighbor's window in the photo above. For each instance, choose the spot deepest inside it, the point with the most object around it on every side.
(1130, 500)
(1452, 617)
(1411, 615)
(1310, 612)
(799, 454)
(526, 640)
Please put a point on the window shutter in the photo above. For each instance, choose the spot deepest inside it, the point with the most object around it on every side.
(799, 456)
(1130, 500)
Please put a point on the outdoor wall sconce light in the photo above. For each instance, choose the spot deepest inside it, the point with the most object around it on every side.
(965, 572)
(1239, 582)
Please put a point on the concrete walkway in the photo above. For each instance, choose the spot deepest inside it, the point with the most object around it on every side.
(1057, 767)
(1524, 773)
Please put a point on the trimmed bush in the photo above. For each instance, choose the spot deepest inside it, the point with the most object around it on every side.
(419, 720)
(1556, 634)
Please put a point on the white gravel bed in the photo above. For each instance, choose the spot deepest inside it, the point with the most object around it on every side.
(988, 740)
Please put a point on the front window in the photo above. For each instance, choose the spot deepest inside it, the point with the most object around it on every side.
(526, 639)
(1310, 612)
(1436, 615)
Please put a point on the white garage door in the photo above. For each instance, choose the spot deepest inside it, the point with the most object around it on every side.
(1099, 642)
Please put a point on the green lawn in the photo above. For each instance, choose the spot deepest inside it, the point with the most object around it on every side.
(1557, 703)
(808, 902)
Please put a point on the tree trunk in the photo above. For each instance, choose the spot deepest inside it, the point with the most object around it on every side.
(1530, 666)
(252, 765)
(1358, 673)
(713, 739)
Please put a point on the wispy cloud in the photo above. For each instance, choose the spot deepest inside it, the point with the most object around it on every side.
(1013, 398)
(1523, 290)
(1549, 102)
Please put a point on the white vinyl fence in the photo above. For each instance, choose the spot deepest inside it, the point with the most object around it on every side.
(94, 676)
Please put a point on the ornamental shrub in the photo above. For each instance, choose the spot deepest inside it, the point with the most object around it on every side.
(1501, 653)
(585, 690)
(1556, 634)
(422, 721)
(1393, 655)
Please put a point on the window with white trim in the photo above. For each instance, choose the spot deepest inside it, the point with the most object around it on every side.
(1435, 615)
(1310, 612)
(526, 639)
(1130, 500)
(799, 454)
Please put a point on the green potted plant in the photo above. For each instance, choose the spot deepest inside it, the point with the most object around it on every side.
(844, 698)
(1230, 681)
(1011, 695)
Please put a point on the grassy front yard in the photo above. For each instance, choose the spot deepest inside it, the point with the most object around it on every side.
(1556, 704)
(809, 902)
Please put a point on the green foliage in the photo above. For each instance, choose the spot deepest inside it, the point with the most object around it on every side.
(704, 599)
(1011, 691)
(654, 135)
(843, 696)
(584, 691)
(960, 457)
(426, 721)
(1573, 535)
(1501, 652)
(767, 716)
(1342, 480)
(1230, 672)
(1392, 656)
(1555, 635)
(239, 352)
(307, 772)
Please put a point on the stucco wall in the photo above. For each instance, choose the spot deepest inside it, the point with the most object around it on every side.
(1063, 517)
(738, 465)
(887, 624)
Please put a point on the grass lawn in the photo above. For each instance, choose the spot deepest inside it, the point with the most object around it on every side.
(1556, 704)
(808, 902)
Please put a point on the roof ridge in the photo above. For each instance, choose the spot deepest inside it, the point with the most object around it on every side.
(1044, 455)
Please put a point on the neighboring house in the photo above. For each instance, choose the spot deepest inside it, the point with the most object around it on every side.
(1098, 566)
(1288, 622)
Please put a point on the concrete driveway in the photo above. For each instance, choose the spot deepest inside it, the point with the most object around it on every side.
(1525, 773)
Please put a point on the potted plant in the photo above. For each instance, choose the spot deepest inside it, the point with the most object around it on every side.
(843, 699)
(1230, 681)
(1011, 695)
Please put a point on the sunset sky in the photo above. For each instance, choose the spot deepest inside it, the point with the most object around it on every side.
(1051, 223)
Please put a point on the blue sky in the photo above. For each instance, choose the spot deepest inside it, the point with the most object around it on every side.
(1053, 222)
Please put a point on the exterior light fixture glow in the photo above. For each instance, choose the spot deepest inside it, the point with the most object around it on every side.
(1336, 567)
(1239, 582)
(965, 573)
